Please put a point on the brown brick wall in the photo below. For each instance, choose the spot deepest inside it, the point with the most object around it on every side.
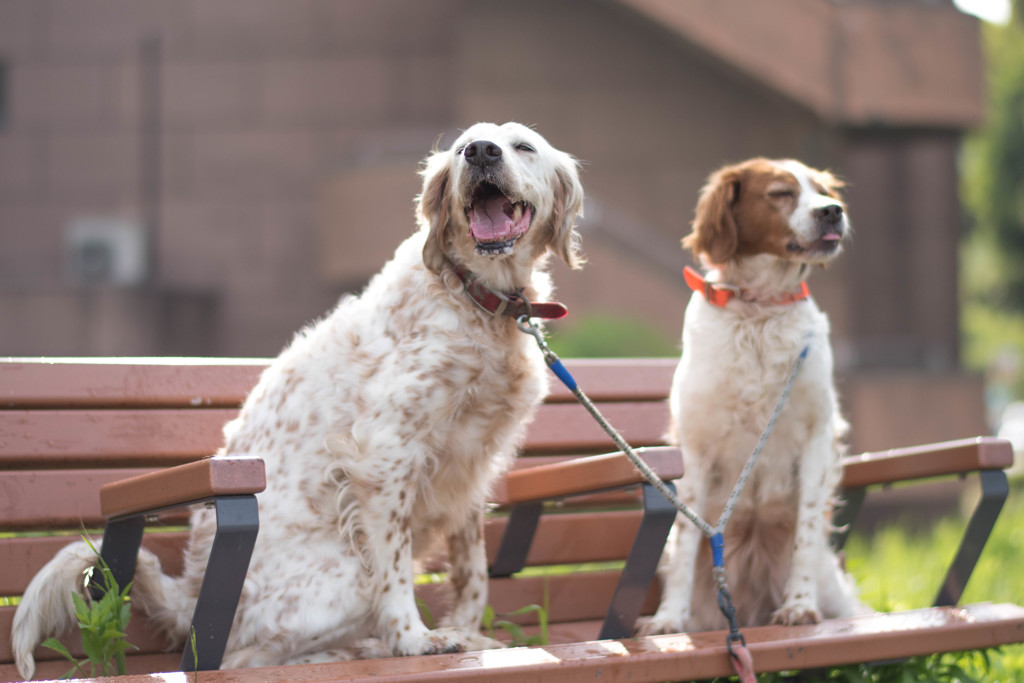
(261, 104)
(267, 107)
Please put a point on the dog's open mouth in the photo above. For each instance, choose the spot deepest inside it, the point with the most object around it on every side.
(496, 221)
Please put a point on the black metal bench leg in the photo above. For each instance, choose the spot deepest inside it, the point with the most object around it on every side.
(122, 539)
(517, 539)
(641, 564)
(237, 526)
(994, 490)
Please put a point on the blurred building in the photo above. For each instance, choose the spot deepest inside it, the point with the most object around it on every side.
(185, 177)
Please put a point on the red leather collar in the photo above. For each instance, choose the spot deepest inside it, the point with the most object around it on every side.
(511, 304)
(720, 295)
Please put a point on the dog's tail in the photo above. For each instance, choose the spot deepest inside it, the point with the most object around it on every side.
(47, 609)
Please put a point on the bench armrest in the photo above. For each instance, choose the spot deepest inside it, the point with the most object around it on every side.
(183, 484)
(586, 475)
(229, 484)
(987, 456)
(932, 460)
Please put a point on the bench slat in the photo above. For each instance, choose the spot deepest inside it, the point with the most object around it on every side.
(573, 538)
(160, 438)
(224, 382)
(569, 428)
(561, 539)
(163, 437)
(658, 658)
(679, 656)
(55, 499)
(108, 438)
(108, 383)
(25, 556)
(617, 379)
(136, 664)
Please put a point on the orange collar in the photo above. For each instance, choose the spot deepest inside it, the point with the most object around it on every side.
(720, 295)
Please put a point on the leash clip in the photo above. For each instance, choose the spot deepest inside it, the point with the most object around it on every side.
(550, 357)
(525, 324)
(527, 314)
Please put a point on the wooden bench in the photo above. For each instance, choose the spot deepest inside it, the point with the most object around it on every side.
(70, 426)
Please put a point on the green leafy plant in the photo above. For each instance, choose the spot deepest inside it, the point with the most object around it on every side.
(517, 637)
(491, 622)
(195, 653)
(102, 622)
(425, 613)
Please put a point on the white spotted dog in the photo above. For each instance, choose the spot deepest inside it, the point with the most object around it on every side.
(383, 427)
(760, 228)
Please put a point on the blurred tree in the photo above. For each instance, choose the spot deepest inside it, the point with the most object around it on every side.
(993, 194)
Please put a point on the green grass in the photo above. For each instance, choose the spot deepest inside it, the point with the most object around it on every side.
(897, 569)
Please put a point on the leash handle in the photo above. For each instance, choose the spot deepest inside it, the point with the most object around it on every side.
(742, 662)
(739, 656)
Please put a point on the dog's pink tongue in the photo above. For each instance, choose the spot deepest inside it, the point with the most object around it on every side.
(831, 237)
(490, 221)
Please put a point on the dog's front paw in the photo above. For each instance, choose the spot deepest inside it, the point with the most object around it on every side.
(658, 625)
(444, 641)
(795, 613)
(478, 641)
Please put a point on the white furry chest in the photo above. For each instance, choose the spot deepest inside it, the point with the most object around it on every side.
(730, 380)
(477, 430)
(743, 360)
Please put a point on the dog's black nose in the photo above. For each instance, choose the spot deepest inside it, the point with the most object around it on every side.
(482, 153)
(829, 214)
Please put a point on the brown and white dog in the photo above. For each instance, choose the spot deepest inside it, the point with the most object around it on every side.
(383, 427)
(760, 228)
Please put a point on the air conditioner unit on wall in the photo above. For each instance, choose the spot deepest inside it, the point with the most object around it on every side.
(107, 251)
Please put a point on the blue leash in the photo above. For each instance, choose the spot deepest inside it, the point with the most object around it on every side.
(713, 533)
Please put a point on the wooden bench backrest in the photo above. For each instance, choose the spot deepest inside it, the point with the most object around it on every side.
(66, 428)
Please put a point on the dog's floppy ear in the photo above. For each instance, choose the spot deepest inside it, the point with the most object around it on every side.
(433, 208)
(715, 234)
(568, 206)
